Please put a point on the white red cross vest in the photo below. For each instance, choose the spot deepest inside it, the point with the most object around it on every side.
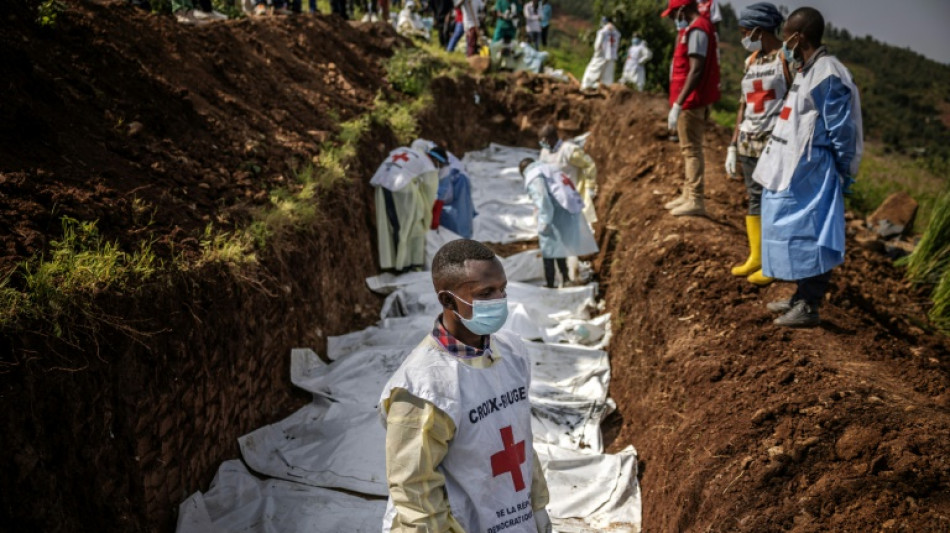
(562, 159)
(400, 168)
(609, 42)
(490, 460)
(560, 186)
(793, 132)
(763, 90)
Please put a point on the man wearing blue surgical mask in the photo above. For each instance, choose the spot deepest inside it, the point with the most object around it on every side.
(459, 453)
(805, 170)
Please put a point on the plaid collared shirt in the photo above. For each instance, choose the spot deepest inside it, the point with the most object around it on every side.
(458, 348)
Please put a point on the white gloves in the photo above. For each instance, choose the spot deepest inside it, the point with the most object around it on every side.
(542, 521)
(731, 161)
(673, 117)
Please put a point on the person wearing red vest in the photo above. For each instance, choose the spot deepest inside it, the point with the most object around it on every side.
(694, 87)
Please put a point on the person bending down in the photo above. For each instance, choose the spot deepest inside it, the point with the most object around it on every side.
(459, 447)
(562, 230)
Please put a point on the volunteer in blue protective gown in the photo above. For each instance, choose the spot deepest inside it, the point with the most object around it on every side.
(458, 210)
(562, 229)
(805, 169)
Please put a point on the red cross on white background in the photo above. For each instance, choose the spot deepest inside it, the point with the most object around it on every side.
(759, 96)
(510, 459)
(403, 156)
(567, 181)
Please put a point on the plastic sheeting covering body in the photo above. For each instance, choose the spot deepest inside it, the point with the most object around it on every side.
(322, 469)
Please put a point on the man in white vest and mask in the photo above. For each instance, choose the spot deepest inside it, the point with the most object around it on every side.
(806, 169)
(573, 161)
(406, 186)
(459, 447)
(634, 71)
(604, 61)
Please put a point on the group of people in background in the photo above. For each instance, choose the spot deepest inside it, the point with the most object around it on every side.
(798, 141)
(425, 187)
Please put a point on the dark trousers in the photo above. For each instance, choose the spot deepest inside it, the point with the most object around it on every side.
(339, 8)
(549, 271)
(751, 186)
(544, 35)
(813, 289)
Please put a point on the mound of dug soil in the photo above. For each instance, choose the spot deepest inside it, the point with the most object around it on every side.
(157, 129)
(742, 425)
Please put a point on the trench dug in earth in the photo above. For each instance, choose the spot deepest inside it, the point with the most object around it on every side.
(740, 425)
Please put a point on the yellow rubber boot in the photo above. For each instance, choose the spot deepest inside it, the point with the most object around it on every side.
(760, 279)
(753, 229)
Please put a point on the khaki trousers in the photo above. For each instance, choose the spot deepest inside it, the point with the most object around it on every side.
(690, 129)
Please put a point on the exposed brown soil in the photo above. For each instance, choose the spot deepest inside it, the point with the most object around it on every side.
(156, 129)
(742, 425)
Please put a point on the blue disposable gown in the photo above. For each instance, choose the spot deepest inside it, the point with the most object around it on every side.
(803, 225)
(560, 233)
(458, 210)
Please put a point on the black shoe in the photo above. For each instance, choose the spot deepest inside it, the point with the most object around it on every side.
(780, 306)
(801, 315)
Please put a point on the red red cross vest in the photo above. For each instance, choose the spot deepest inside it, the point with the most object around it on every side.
(708, 90)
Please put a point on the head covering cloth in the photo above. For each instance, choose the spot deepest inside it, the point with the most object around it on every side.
(761, 15)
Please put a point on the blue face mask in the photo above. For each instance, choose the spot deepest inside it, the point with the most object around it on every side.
(789, 54)
(488, 316)
(636, 40)
(545, 145)
(682, 24)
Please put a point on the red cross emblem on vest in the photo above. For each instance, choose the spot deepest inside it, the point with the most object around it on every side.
(567, 181)
(759, 96)
(403, 156)
(510, 459)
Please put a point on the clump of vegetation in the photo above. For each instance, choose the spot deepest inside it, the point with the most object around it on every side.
(48, 12)
(930, 262)
(78, 266)
(410, 70)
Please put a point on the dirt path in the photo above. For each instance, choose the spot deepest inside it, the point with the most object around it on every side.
(744, 426)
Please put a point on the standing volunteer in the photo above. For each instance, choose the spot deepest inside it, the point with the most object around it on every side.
(634, 71)
(562, 230)
(694, 87)
(406, 186)
(546, 14)
(604, 61)
(506, 25)
(764, 87)
(572, 160)
(532, 22)
(470, 10)
(806, 168)
(459, 447)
